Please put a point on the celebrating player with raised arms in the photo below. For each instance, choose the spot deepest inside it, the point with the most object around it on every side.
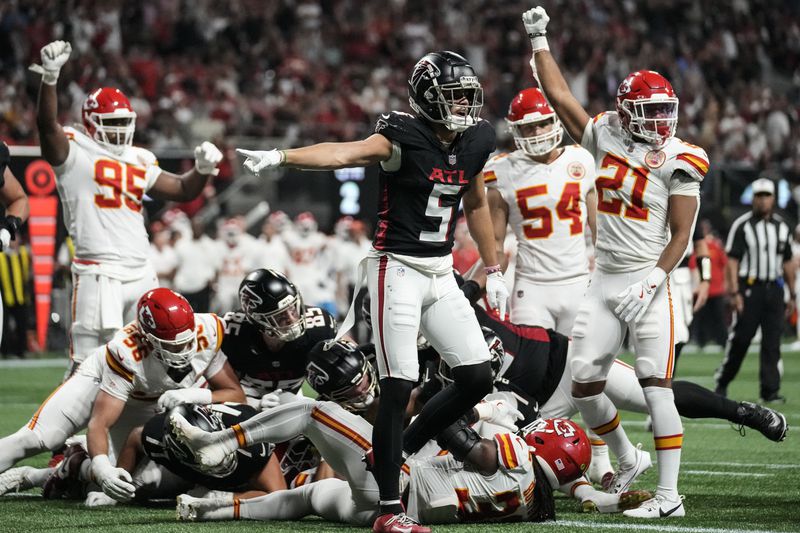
(429, 163)
(647, 200)
(102, 179)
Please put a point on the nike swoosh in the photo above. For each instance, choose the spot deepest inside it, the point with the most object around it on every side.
(663, 514)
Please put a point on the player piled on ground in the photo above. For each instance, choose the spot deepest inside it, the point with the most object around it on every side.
(102, 179)
(647, 200)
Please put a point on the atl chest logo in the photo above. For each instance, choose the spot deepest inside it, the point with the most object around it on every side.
(451, 177)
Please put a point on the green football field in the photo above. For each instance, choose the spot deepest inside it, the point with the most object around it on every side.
(731, 483)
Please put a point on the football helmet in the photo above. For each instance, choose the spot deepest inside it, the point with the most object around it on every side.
(203, 417)
(166, 321)
(340, 372)
(342, 227)
(530, 107)
(647, 106)
(270, 300)
(306, 223)
(280, 221)
(444, 89)
(561, 447)
(109, 119)
(495, 350)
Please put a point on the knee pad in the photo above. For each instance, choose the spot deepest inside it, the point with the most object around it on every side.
(646, 368)
(586, 371)
(458, 438)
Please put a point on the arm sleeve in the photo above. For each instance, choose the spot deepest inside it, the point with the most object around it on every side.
(682, 184)
(117, 379)
(512, 452)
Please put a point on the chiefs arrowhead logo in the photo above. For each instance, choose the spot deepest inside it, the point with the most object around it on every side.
(249, 299)
(146, 317)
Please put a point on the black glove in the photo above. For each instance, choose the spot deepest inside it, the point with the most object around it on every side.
(471, 290)
(12, 224)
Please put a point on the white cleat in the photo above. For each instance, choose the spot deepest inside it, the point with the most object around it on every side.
(194, 509)
(658, 507)
(601, 472)
(15, 480)
(206, 446)
(624, 478)
(99, 499)
(602, 502)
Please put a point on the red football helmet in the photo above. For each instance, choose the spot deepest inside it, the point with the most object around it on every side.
(531, 107)
(109, 119)
(647, 106)
(306, 223)
(562, 448)
(167, 322)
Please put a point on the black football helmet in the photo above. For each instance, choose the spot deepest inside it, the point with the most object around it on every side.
(443, 88)
(340, 372)
(496, 351)
(205, 418)
(270, 300)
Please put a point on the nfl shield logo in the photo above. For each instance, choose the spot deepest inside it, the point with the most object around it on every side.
(451, 159)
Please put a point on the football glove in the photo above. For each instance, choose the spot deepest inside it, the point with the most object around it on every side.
(257, 160)
(173, 398)
(54, 55)
(497, 292)
(115, 482)
(206, 158)
(637, 297)
(500, 413)
(535, 21)
(8, 230)
(270, 400)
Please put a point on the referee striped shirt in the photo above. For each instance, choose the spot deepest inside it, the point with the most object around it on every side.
(761, 245)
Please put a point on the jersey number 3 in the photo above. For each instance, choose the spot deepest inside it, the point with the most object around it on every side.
(118, 181)
(567, 208)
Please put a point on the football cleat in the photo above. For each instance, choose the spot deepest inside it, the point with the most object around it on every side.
(99, 499)
(193, 509)
(398, 523)
(207, 448)
(63, 482)
(15, 480)
(615, 503)
(623, 478)
(769, 422)
(658, 507)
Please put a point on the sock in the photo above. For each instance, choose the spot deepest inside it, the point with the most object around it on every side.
(601, 463)
(37, 476)
(603, 419)
(668, 436)
(470, 384)
(694, 401)
(387, 442)
(329, 498)
(222, 512)
(85, 471)
(583, 491)
(278, 424)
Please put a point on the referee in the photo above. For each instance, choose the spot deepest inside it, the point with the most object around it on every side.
(759, 266)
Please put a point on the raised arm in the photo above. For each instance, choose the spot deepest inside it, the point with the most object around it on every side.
(53, 140)
(185, 187)
(549, 76)
(323, 156)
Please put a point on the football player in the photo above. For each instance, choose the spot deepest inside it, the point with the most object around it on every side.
(429, 163)
(647, 201)
(506, 477)
(102, 179)
(15, 202)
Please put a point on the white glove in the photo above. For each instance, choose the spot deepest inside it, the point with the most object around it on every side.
(271, 399)
(497, 292)
(500, 413)
(115, 482)
(54, 55)
(535, 21)
(206, 158)
(176, 397)
(636, 298)
(257, 160)
(5, 239)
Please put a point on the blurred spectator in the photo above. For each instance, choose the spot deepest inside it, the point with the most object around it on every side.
(273, 251)
(17, 289)
(198, 263)
(239, 254)
(709, 321)
(162, 254)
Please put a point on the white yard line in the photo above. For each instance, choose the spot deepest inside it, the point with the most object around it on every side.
(722, 473)
(60, 362)
(661, 526)
(770, 466)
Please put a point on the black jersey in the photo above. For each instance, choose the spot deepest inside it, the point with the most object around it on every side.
(418, 201)
(262, 370)
(539, 359)
(5, 160)
(250, 461)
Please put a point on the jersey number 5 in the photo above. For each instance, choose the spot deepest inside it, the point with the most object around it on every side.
(567, 208)
(117, 181)
(613, 206)
(442, 204)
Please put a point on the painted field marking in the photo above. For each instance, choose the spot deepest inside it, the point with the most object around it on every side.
(629, 526)
(722, 473)
(770, 466)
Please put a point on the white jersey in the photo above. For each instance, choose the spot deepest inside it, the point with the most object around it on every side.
(443, 482)
(101, 196)
(547, 211)
(132, 372)
(310, 267)
(634, 183)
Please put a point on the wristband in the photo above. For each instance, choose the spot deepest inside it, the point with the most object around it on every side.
(538, 42)
(704, 268)
(492, 269)
(283, 157)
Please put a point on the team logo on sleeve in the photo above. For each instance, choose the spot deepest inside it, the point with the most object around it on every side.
(655, 158)
(576, 170)
(316, 376)
(249, 299)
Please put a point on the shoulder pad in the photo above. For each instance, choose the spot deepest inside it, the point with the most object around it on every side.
(691, 159)
(494, 167)
(115, 361)
(484, 136)
(402, 128)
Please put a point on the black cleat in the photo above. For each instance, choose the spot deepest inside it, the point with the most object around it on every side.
(769, 422)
